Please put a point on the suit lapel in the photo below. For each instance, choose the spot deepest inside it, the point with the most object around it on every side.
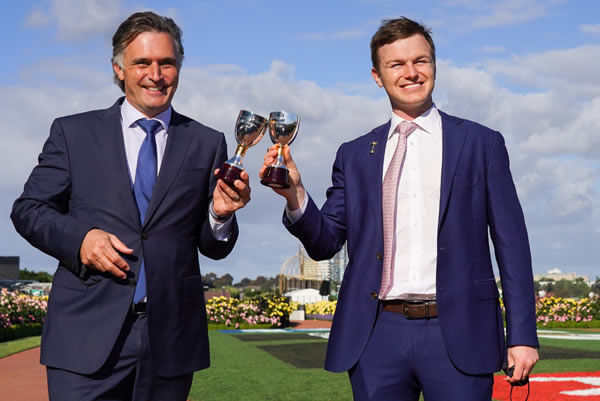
(178, 141)
(453, 139)
(109, 142)
(373, 166)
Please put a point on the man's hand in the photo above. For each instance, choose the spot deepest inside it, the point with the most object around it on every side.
(226, 199)
(295, 193)
(523, 358)
(100, 251)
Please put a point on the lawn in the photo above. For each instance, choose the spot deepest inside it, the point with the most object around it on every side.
(288, 366)
(283, 367)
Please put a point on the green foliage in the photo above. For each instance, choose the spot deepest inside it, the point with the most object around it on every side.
(593, 324)
(42, 277)
(573, 289)
(17, 331)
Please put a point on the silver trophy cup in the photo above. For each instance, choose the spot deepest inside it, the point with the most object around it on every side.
(283, 128)
(249, 129)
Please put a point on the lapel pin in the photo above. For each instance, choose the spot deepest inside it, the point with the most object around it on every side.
(373, 144)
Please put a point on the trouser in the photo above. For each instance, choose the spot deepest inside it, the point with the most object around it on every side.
(127, 375)
(406, 356)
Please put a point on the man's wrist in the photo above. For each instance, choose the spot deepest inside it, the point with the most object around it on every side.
(214, 215)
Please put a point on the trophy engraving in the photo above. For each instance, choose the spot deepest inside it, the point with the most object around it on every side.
(283, 128)
(249, 129)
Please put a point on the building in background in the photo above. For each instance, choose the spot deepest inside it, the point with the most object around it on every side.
(9, 267)
(557, 274)
(300, 272)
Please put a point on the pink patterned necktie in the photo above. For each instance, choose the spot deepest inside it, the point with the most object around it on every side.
(389, 203)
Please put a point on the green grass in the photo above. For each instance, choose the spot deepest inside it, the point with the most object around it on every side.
(12, 347)
(250, 370)
(243, 372)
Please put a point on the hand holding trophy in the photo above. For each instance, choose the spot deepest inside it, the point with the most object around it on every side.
(249, 129)
(283, 128)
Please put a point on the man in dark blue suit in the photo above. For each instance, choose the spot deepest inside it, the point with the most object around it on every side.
(124, 198)
(418, 309)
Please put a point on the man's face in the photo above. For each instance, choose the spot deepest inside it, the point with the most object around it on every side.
(150, 72)
(407, 73)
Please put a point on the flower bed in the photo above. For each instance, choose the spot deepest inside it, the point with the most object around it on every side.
(322, 308)
(21, 315)
(566, 312)
(272, 311)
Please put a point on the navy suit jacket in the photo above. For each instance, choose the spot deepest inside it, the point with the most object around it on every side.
(477, 194)
(82, 182)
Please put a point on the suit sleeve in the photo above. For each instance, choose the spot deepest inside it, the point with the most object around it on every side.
(41, 213)
(511, 245)
(323, 232)
(210, 246)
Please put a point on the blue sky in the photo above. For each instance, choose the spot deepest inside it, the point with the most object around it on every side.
(528, 68)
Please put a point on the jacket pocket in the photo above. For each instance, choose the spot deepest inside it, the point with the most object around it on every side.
(487, 289)
(66, 279)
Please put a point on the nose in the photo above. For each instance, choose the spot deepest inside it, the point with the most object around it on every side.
(410, 71)
(154, 72)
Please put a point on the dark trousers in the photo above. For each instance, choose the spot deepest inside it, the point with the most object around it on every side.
(407, 356)
(127, 375)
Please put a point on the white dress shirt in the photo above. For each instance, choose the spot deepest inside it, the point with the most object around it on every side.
(415, 244)
(134, 135)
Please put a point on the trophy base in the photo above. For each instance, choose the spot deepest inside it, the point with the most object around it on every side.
(229, 173)
(276, 177)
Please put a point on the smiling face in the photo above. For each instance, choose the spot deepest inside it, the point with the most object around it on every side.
(150, 72)
(407, 73)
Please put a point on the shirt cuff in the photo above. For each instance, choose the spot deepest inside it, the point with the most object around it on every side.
(294, 215)
(221, 228)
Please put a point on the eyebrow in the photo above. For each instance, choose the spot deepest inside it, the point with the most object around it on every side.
(168, 60)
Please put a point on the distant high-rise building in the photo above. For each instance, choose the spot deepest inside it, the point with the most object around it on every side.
(337, 265)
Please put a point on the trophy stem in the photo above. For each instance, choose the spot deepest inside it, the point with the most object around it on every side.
(241, 150)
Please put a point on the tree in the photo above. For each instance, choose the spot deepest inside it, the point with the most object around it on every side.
(596, 286)
(223, 281)
(42, 277)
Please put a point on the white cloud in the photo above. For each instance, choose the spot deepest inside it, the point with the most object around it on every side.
(590, 28)
(573, 71)
(493, 13)
(76, 20)
(557, 176)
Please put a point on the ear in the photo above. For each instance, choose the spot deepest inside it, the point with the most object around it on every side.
(376, 77)
(119, 72)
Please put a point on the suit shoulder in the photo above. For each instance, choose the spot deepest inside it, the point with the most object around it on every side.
(368, 137)
(471, 128)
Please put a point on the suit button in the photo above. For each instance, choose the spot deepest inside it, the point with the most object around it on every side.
(145, 235)
(374, 295)
(379, 256)
(132, 282)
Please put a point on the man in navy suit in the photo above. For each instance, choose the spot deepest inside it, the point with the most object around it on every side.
(124, 198)
(418, 309)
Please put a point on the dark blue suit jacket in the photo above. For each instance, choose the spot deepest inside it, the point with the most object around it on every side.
(477, 194)
(82, 182)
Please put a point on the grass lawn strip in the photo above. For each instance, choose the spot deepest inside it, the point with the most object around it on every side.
(243, 372)
(12, 347)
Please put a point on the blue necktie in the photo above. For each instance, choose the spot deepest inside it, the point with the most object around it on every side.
(145, 178)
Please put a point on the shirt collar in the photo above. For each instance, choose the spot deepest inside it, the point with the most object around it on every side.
(428, 121)
(130, 115)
